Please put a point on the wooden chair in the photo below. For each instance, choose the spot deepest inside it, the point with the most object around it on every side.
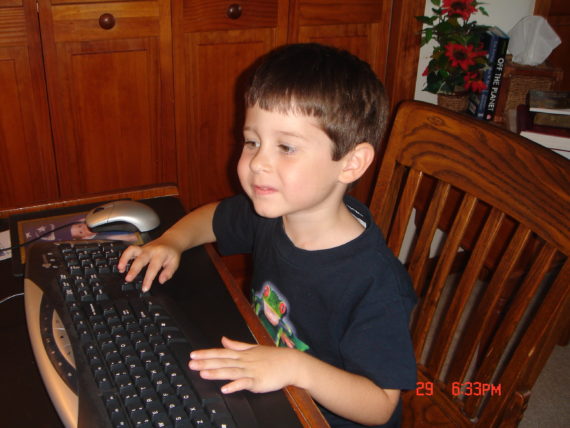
(480, 218)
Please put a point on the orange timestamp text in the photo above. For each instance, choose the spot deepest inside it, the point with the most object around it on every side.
(466, 389)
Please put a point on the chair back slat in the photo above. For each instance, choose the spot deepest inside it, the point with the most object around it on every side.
(419, 257)
(479, 217)
(391, 185)
(532, 351)
(459, 307)
(404, 211)
(443, 265)
(487, 309)
(510, 327)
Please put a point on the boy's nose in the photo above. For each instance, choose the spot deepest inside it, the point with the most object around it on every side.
(259, 162)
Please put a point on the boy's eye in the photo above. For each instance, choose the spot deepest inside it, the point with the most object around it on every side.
(251, 144)
(286, 148)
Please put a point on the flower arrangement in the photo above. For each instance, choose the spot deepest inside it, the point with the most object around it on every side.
(458, 59)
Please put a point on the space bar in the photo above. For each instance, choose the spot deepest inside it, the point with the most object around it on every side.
(236, 403)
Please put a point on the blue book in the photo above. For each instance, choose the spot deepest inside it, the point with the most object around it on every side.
(497, 75)
(492, 40)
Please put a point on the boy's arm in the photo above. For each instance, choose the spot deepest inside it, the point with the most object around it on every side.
(260, 368)
(346, 394)
(163, 254)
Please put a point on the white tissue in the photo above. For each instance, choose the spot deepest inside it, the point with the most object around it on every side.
(532, 39)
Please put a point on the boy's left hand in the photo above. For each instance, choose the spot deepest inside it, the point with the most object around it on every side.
(256, 368)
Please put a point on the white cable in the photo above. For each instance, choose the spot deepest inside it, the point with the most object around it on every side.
(5, 299)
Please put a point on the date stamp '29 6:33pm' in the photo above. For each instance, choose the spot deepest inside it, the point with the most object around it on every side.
(466, 389)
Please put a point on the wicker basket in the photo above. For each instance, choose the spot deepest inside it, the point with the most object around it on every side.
(454, 102)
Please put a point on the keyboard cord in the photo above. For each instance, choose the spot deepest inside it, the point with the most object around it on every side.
(5, 299)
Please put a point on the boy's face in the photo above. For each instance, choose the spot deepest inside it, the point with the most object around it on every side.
(286, 166)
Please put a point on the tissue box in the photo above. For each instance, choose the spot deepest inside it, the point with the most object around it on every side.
(518, 80)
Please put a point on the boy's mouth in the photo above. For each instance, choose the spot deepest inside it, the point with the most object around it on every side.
(263, 190)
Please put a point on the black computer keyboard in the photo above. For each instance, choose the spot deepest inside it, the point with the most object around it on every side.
(127, 356)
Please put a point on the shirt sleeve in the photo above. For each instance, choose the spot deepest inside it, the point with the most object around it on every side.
(234, 225)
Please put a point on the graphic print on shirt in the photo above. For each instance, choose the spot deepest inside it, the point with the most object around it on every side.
(271, 307)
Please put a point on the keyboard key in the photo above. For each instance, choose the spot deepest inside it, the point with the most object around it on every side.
(224, 422)
(200, 420)
(162, 420)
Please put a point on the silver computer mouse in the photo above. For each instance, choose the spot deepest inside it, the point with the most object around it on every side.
(122, 216)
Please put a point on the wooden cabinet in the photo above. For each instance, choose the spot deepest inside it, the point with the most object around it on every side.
(105, 96)
(215, 44)
(108, 74)
(27, 166)
(357, 26)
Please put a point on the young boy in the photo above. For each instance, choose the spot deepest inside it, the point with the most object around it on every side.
(331, 293)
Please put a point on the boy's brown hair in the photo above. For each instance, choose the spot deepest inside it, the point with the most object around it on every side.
(337, 88)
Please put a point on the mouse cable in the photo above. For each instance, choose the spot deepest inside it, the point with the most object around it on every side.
(5, 299)
(23, 244)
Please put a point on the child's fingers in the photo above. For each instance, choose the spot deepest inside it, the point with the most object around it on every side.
(238, 385)
(166, 274)
(156, 263)
(235, 345)
(130, 253)
(214, 354)
(237, 375)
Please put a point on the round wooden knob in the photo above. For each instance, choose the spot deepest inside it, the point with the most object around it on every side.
(106, 21)
(234, 11)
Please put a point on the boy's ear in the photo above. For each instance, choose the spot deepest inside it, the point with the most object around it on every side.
(356, 162)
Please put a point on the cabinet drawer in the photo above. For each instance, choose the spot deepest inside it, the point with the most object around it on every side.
(212, 15)
(320, 12)
(12, 27)
(11, 3)
(81, 22)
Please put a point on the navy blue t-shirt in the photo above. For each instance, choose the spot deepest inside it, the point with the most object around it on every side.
(348, 306)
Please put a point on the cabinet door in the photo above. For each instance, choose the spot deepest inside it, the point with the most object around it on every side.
(27, 167)
(109, 72)
(213, 52)
(359, 26)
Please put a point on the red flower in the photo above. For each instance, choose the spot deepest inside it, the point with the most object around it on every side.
(462, 8)
(462, 56)
(473, 82)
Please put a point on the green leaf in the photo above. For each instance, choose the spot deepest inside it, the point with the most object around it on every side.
(442, 61)
(444, 27)
(437, 12)
(436, 2)
(432, 85)
(483, 11)
(424, 19)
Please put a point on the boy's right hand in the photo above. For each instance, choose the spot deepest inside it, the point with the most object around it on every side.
(157, 256)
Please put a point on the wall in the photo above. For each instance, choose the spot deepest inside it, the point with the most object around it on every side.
(502, 13)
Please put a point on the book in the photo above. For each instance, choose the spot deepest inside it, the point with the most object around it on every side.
(551, 119)
(554, 138)
(497, 75)
(478, 101)
(555, 102)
